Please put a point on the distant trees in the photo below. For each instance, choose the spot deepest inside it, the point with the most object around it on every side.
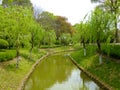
(62, 26)
(57, 23)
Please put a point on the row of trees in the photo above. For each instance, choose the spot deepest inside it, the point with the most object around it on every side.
(21, 28)
(101, 26)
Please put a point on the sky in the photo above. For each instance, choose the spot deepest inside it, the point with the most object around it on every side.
(74, 10)
(0, 1)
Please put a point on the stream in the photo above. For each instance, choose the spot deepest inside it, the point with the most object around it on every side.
(57, 72)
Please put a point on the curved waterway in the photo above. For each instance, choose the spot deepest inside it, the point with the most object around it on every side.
(57, 72)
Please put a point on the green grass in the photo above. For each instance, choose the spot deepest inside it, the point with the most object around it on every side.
(10, 76)
(108, 72)
(6, 55)
(112, 50)
(59, 49)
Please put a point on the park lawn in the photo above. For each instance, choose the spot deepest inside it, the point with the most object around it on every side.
(58, 49)
(10, 76)
(108, 72)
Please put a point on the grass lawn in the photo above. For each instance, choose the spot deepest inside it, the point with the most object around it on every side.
(10, 76)
(108, 72)
(6, 55)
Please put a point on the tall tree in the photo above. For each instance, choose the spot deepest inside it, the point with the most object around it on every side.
(99, 25)
(14, 25)
(112, 6)
(47, 20)
(82, 33)
(62, 26)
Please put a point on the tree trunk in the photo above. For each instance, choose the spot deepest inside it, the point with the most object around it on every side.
(39, 47)
(84, 46)
(84, 51)
(99, 51)
(100, 58)
(32, 45)
(31, 50)
(17, 60)
(30, 53)
(116, 30)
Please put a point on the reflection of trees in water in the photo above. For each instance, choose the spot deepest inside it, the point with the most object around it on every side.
(50, 71)
(85, 77)
(85, 80)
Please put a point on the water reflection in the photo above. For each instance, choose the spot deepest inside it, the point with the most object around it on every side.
(58, 73)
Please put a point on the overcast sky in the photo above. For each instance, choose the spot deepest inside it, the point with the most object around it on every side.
(74, 10)
(0, 1)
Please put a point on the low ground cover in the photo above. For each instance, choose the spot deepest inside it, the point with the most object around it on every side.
(6, 55)
(10, 76)
(107, 72)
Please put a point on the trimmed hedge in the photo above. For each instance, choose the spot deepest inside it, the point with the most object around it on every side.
(3, 44)
(112, 50)
(6, 55)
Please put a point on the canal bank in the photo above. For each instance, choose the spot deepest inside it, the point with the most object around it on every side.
(107, 72)
(58, 75)
(103, 85)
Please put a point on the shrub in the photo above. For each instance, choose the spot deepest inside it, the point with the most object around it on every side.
(111, 50)
(6, 55)
(3, 44)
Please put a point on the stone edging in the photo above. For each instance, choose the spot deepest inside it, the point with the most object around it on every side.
(34, 66)
(99, 82)
(31, 71)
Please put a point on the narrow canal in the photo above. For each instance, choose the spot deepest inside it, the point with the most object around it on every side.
(57, 72)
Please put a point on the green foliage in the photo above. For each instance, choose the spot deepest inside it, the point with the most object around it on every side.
(82, 34)
(65, 39)
(112, 50)
(113, 8)
(49, 37)
(35, 54)
(99, 25)
(12, 77)
(57, 23)
(3, 44)
(107, 72)
(16, 2)
(6, 55)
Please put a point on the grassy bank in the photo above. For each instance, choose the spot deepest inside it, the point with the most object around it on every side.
(10, 77)
(108, 72)
(6, 55)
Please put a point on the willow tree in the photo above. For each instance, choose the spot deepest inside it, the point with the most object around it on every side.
(22, 16)
(36, 34)
(15, 22)
(82, 30)
(113, 7)
(99, 26)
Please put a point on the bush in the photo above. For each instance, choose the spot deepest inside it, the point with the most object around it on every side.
(6, 55)
(3, 44)
(111, 50)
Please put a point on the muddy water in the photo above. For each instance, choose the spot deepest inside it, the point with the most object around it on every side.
(57, 72)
